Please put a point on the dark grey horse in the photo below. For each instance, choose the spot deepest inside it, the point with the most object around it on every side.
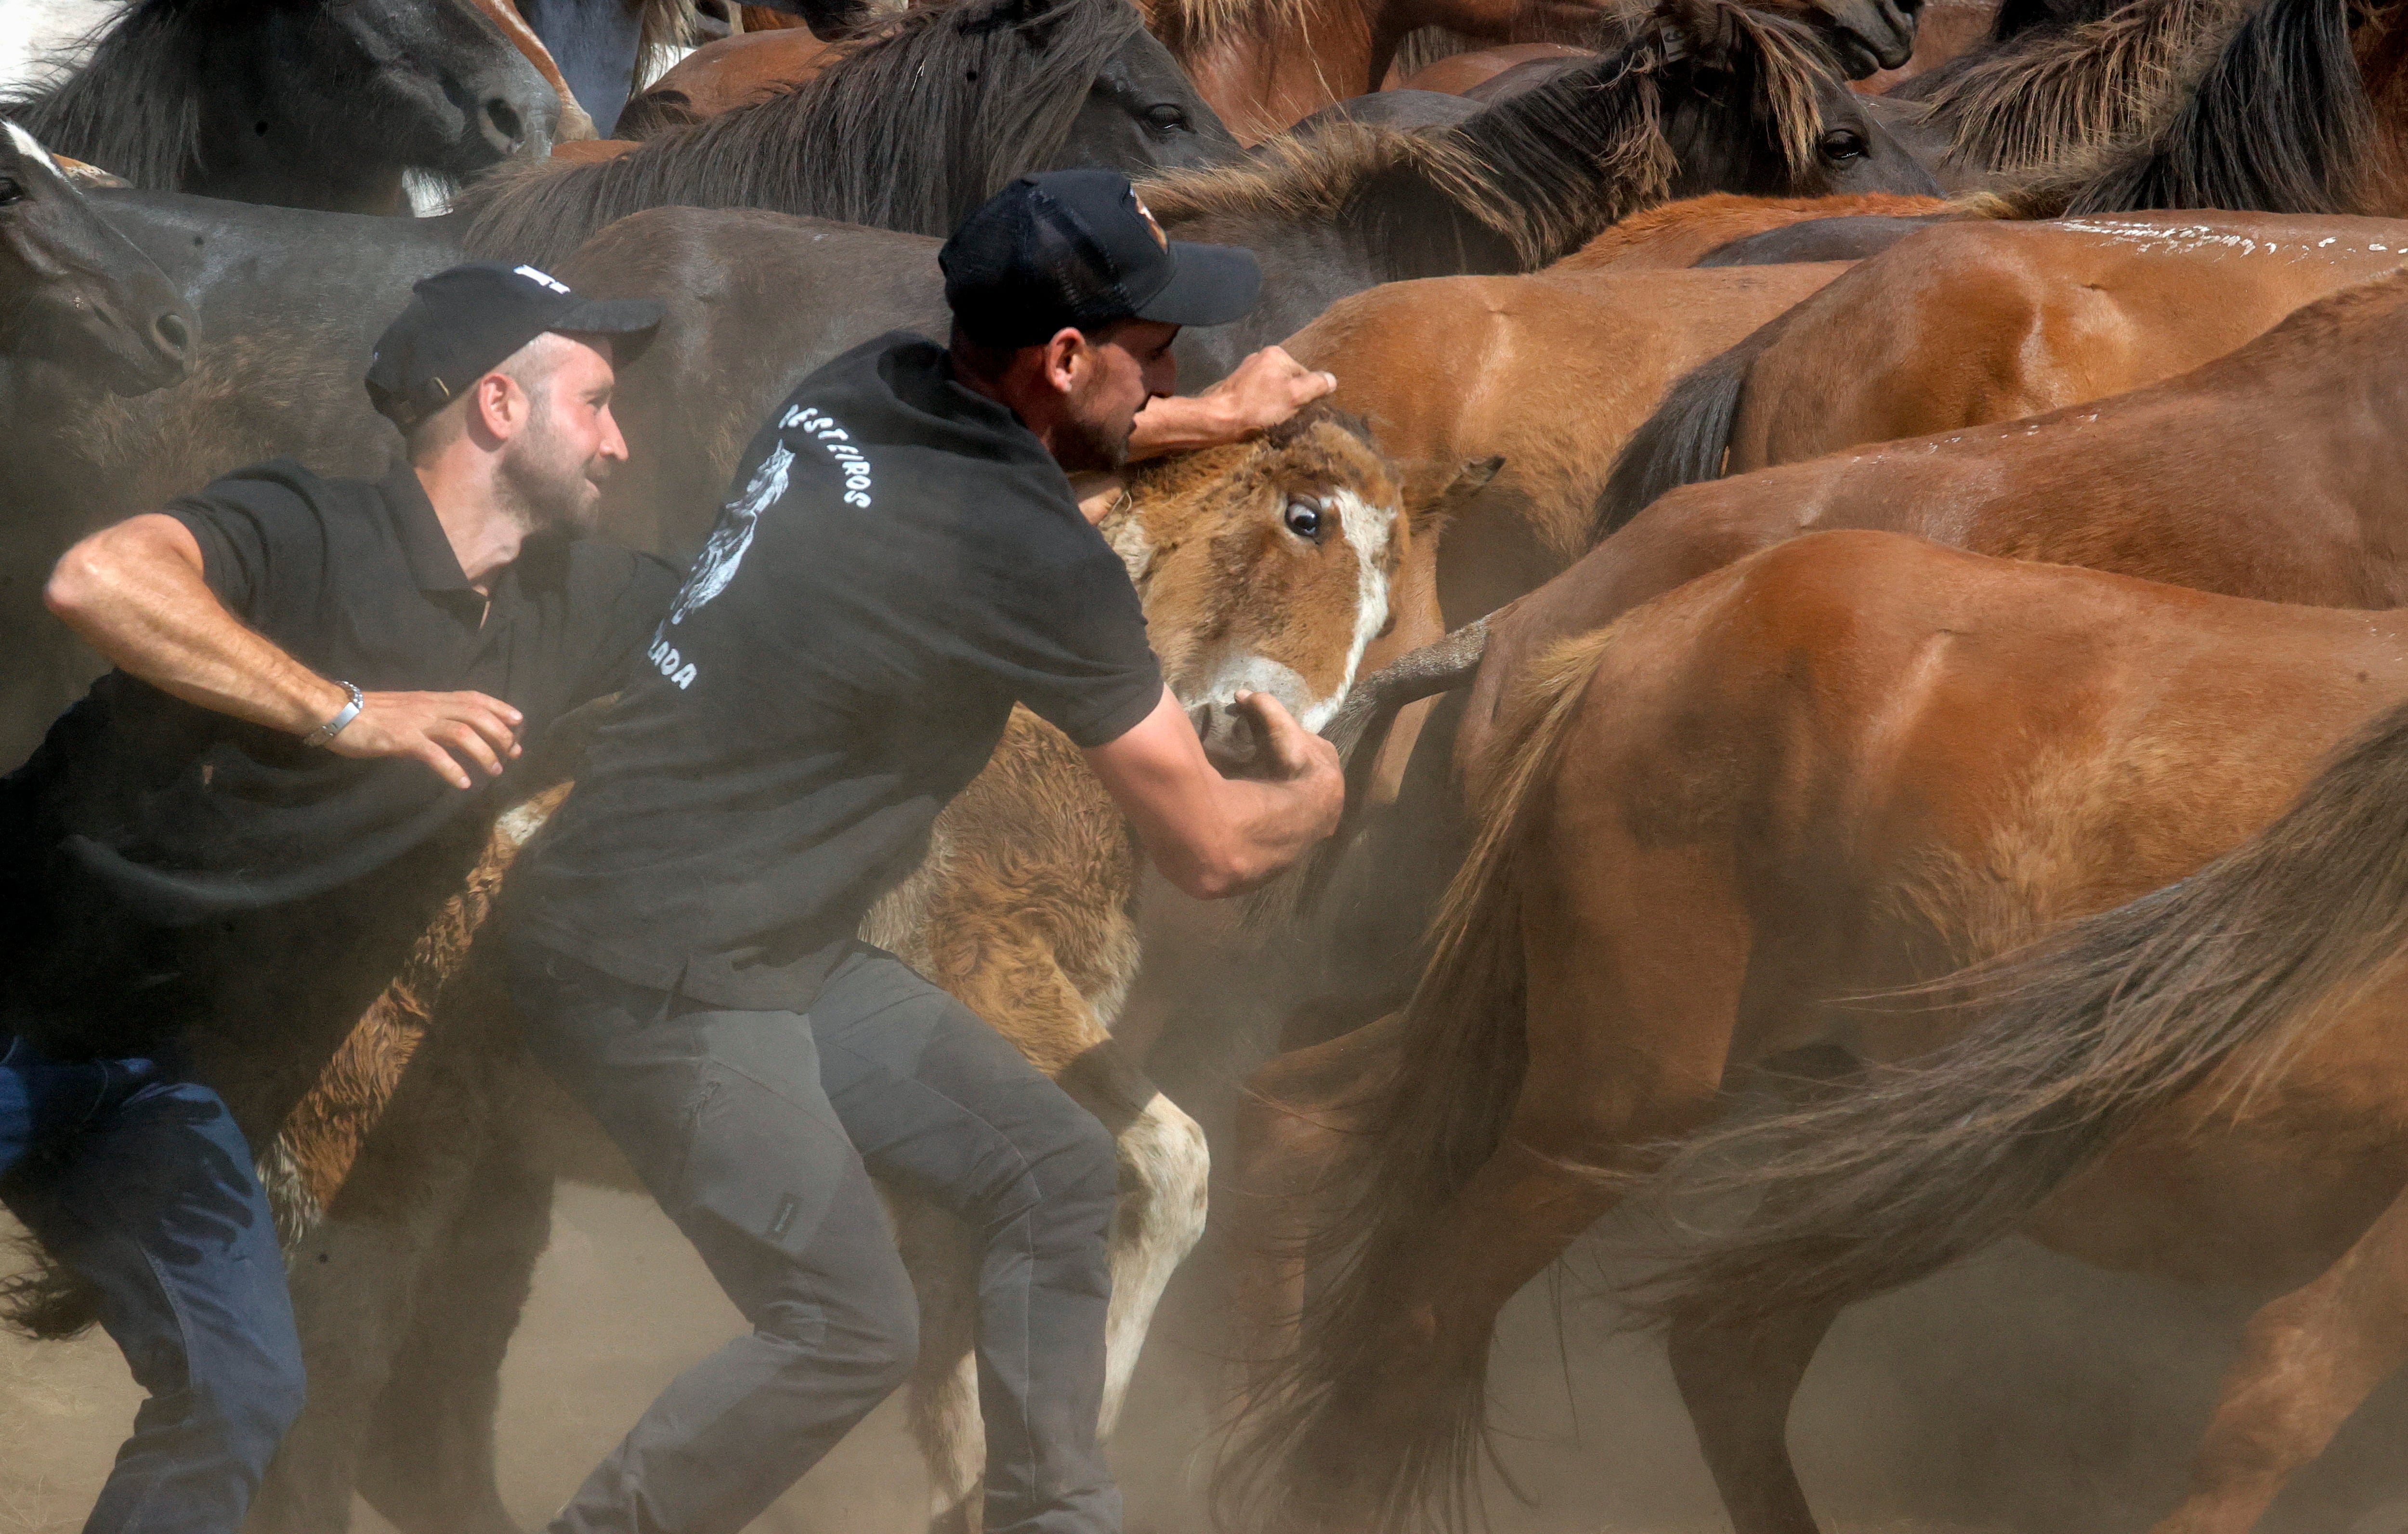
(600, 44)
(74, 295)
(303, 103)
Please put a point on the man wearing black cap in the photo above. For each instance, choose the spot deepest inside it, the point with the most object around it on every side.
(245, 826)
(902, 561)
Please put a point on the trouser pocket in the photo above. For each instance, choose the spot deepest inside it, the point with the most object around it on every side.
(764, 1152)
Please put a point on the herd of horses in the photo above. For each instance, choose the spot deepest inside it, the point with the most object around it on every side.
(1860, 619)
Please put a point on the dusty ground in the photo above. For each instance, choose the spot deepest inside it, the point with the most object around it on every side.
(2027, 1394)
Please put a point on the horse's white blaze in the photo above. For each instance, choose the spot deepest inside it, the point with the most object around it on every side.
(1367, 530)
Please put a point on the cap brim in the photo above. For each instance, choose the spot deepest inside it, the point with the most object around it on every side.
(609, 317)
(1212, 285)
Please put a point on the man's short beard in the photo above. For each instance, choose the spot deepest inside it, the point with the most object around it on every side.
(1083, 444)
(542, 486)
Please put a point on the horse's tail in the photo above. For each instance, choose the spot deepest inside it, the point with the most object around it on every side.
(1437, 1117)
(1687, 438)
(1359, 730)
(2077, 1037)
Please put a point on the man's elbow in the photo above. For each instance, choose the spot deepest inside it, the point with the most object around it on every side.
(76, 582)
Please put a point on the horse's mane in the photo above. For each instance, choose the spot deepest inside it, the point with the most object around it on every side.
(1188, 27)
(2276, 117)
(915, 124)
(2280, 120)
(1542, 170)
(2052, 89)
(133, 105)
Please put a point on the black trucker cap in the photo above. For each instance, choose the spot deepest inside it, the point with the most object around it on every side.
(462, 321)
(1080, 248)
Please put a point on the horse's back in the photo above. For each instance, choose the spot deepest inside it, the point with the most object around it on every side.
(1969, 323)
(1955, 750)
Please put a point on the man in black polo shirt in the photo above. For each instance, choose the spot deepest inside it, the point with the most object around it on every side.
(238, 834)
(901, 562)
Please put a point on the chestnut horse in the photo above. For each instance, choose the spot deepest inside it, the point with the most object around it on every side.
(1981, 321)
(2172, 482)
(2270, 472)
(1842, 766)
(1265, 64)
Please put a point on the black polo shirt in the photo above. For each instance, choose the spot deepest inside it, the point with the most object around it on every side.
(900, 563)
(146, 834)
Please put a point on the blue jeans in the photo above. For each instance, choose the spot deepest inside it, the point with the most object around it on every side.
(135, 1176)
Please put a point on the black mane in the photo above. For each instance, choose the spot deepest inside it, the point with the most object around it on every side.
(135, 108)
(2280, 121)
(873, 140)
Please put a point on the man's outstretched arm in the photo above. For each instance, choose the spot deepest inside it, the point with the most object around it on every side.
(1214, 836)
(1265, 389)
(135, 593)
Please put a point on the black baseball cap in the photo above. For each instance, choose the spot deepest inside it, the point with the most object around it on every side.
(1080, 248)
(463, 322)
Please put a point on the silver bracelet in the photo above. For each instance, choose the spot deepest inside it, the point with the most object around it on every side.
(333, 726)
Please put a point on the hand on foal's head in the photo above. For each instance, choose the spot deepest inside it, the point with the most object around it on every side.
(1265, 389)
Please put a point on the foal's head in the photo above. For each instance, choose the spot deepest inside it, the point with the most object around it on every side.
(1264, 566)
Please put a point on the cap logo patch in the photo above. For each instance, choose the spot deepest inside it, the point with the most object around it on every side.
(555, 285)
(1150, 227)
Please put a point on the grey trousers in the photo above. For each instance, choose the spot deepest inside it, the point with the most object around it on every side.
(758, 1132)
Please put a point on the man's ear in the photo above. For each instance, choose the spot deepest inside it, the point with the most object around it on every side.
(499, 405)
(1066, 356)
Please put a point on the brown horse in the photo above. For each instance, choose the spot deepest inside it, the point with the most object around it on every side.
(1265, 64)
(1688, 230)
(2170, 482)
(720, 76)
(1551, 373)
(2175, 481)
(1977, 322)
(419, 1166)
(1842, 765)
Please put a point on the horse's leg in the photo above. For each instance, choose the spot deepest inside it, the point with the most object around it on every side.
(1633, 957)
(355, 1284)
(1298, 1114)
(943, 1391)
(429, 1461)
(1164, 1170)
(1739, 1383)
(2307, 1361)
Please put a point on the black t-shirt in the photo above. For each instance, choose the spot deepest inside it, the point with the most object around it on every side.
(146, 833)
(900, 563)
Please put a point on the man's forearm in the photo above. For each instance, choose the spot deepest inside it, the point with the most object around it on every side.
(134, 594)
(1180, 423)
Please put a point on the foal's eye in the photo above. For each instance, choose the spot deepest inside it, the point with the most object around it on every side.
(1164, 117)
(10, 191)
(1303, 519)
(1841, 144)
